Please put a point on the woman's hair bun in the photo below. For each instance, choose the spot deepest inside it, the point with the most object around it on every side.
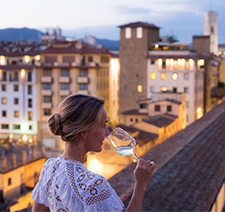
(54, 123)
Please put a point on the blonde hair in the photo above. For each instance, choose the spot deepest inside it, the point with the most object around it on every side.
(77, 113)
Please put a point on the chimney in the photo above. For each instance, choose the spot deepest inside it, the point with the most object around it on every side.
(201, 44)
(14, 160)
(24, 156)
(3, 163)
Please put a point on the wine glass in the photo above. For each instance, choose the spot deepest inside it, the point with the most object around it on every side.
(122, 142)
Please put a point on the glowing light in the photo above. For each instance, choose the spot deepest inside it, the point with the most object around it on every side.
(30, 140)
(152, 75)
(2, 60)
(163, 88)
(24, 138)
(139, 88)
(174, 76)
(24, 127)
(163, 76)
(22, 72)
(199, 113)
(26, 58)
(156, 46)
(95, 166)
(37, 57)
(11, 135)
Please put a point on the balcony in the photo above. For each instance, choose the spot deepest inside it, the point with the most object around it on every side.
(85, 92)
(82, 80)
(64, 92)
(46, 79)
(46, 92)
(47, 105)
(64, 79)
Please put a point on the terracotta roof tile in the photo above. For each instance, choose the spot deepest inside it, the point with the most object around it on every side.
(190, 168)
(139, 24)
(160, 120)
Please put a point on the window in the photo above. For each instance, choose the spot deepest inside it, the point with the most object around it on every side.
(174, 76)
(16, 114)
(16, 101)
(30, 103)
(128, 32)
(16, 87)
(152, 89)
(139, 32)
(3, 87)
(30, 127)
(47, 73)
(9, 181)
(152, 75)
(47, 86)
(131, 119)
(144, 105)
(104, 59)
(83, 86)
(186, 76)
(169, 108)
(187, 118)
(5, 126)
(30, 116)
(163, 64)
(157, 107)
(48, 99)
(90, 59)
(4, 76)
(47, 112)
(29, 89)
(139, 88)
(68, 59)
(29, 76)
(163, 76)
(136, 120)
(174, 89)
(83, 73)
(186, 90)
(152, 62)
(16, 126)
(4, 100)
(4, 113)
(65, 86)
(50, 59)
(163, 89)
(65, 73)
(187, 104)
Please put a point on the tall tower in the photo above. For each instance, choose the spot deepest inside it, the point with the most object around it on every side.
(211, 29)
(135, 40)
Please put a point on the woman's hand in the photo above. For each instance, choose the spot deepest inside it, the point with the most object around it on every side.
(143, 172)
(142, 175)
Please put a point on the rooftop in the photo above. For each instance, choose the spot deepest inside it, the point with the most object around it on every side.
(190, 168)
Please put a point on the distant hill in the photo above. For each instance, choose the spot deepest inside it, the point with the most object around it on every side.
(18, 34)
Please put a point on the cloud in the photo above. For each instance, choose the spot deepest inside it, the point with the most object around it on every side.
(134, 10)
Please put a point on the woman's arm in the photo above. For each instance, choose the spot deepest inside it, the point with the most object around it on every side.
(142, 175)
(39, 207)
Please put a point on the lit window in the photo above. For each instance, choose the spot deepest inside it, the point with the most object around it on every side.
(163, 76)
(174, 76)
(16, 114)
(128, 32)
(4, 100)
(30, 116)
(163, 89)
(139, 32)
(199, 113)
(152, 75)
(139, 88)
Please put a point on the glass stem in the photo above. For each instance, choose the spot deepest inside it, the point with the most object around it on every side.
(135, 156)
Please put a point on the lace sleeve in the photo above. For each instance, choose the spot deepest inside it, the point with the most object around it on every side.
(93, 190)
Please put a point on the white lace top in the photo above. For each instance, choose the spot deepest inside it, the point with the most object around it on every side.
(67, 185)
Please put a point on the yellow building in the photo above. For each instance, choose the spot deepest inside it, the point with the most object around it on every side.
(68, 68)
(19, 172)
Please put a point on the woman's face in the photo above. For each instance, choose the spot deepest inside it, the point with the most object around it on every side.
(97, 134)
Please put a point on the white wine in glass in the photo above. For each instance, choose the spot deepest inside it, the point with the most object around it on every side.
(122, 142)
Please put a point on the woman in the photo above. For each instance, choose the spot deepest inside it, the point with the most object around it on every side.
(65, 184)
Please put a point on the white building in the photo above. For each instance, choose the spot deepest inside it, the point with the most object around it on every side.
(18, 92)
(181, 72)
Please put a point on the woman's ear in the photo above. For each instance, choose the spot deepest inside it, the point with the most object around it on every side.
(84, 135)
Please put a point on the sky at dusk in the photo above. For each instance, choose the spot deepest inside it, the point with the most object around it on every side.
(101, 18)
